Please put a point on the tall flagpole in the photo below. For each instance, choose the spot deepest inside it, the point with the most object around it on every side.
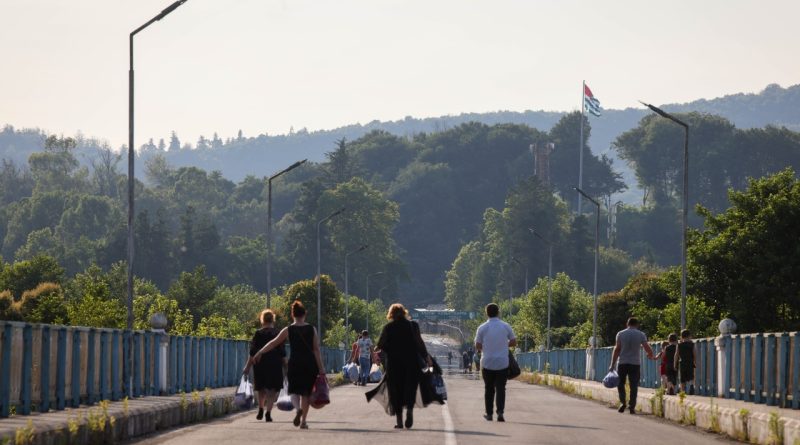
(580, 145)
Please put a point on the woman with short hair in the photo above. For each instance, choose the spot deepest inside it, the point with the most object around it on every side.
(305, 361)
(268, 372)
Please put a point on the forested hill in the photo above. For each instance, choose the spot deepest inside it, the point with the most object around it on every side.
(242, 155)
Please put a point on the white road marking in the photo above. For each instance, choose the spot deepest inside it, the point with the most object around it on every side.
(449, 431)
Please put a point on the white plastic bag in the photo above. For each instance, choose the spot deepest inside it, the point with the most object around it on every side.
(375, 374)
(244, 394)
(351, 371)
(284, 399)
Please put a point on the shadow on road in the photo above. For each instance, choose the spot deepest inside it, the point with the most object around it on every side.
(550, 425)
(394, 431)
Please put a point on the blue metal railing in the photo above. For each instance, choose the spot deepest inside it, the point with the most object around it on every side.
(761, 368)
(46, 367)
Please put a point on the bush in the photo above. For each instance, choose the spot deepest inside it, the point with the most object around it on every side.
(44, 304)
(8, 308)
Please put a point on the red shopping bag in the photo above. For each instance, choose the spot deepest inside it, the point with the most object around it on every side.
(321, 394)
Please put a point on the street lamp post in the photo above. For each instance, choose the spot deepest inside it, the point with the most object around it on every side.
(549, 280)
(596, 255)
(319, 273)
(526, 272)
(131, 183)
(685, 216)
(347, 290)
(367, 312)
(269, 224)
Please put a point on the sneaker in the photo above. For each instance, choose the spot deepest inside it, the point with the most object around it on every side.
(500, 418)
(633, 410)
(488, 417)
(621, 408)
(268, 417)
(297, 416)
(260, 414)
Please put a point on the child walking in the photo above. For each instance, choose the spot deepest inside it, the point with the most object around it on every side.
(662, 369)
(685, 361)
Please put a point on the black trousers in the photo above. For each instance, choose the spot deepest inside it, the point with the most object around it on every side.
(632, 373)
(494, 383)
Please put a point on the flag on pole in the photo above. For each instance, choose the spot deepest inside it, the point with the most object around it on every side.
(590, 103)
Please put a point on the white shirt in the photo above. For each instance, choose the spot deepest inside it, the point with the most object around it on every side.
(494, 335)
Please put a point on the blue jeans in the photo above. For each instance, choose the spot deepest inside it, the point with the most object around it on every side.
(364, 363)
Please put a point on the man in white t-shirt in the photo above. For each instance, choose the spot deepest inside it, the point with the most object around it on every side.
(365, 348)
(493, 339)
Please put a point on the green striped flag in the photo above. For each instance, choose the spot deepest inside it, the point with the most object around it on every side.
(590, 103)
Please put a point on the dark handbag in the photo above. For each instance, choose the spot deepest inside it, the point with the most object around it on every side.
(513, 366)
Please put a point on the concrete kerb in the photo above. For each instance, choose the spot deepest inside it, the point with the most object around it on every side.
(112, 422)
(749, 422)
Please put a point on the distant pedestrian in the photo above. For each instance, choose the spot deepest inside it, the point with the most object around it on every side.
(626, 350)
(365, 350)
(268, 372)
(471, 356)
(492, 340)
(400, 340)
(305, 361)
(465, 361)
(686, 361)
(477, 360)
(449, 357)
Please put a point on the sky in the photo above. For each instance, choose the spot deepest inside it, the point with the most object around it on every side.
(264, 66)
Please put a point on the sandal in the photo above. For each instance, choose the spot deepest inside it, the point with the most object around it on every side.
(297, 416)
(303, 426)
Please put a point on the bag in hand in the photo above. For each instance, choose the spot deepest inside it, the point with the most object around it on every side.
(284, 399)
(513, 366)
(243, 398)
(320, 395)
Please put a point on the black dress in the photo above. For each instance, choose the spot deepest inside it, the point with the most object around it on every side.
(303, 370)
(399, 340)
(268, 372)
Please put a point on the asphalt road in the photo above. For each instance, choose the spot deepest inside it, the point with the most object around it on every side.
(534, 415)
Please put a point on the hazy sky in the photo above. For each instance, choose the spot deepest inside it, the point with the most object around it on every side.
(266, 65)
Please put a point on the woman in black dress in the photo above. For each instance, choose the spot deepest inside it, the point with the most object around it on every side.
(305, 361)
(406, 355)
(268, 372)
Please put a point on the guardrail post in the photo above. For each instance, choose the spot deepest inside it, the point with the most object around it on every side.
(770, 369)
(27, 369)
(147, 385)
(735, 366)
(44, 374)
(61, 369)
(795, 370)
(75, 375)
(758, 352)
(127, 380)
(5, 375)
(91, 395)
(104, 375)
(172, 379)
(137, 363)
(783, 356)
(748, 368)
(116, 381)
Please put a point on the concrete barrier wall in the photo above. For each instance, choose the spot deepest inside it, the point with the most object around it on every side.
(46, 367)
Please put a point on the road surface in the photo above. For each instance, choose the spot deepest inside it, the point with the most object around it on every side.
(534, 415)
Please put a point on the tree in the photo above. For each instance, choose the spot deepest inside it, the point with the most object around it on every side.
(28, 274)
(192, 290)
(44, 304)
(306, 292)
(744, 264)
